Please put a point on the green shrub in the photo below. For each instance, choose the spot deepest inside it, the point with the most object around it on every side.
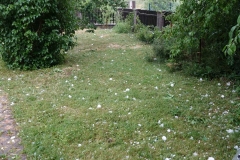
(147, 33)
(36, 34)
(122, 27)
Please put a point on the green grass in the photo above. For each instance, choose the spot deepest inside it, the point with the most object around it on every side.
(108, 102)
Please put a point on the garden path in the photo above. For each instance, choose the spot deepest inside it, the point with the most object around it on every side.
(10, 143)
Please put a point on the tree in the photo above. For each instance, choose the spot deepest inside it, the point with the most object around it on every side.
(200, 29)
(37, 33)
(234, 43)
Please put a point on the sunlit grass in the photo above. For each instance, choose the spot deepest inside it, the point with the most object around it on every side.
(108, 102)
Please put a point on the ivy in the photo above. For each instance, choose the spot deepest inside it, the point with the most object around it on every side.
(36, 34)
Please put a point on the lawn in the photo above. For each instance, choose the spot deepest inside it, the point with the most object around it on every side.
(109, 102)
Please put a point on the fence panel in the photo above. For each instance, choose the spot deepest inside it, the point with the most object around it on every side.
(150, 18)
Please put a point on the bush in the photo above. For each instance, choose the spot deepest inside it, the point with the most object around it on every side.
(122, 27)
(147, 33)
(36, 34)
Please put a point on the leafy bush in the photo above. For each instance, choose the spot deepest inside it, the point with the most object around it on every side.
(145, 34)
(162, 44)
(122, 27)
(35, 34)
(127, 25)
(200, 37)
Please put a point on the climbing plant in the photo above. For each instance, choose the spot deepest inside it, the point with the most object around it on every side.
(38, 33)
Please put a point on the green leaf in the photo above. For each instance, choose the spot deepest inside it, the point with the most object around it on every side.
(238, 20)
(232, 31)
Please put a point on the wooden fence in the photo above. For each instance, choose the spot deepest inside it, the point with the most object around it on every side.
(150, 18)
(97, 18)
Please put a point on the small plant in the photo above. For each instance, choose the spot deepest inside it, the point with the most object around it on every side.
(122, 27)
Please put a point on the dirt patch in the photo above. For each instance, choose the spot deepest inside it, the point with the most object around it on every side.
(10, 143)
(136, 47)
(115, 46)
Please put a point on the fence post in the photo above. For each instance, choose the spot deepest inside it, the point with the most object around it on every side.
(135, 17)
(160, 20)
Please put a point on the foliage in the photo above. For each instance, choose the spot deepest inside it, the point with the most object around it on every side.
(122, 27)
(144, 33)
(162, 44)
(147, 33)
(41, 31)
(234, 42)
(162, 5)
(127, 25)
(35, 34)
(201, 32)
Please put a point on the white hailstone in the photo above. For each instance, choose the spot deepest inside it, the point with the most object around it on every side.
(211, 158)
(79, 145)
(236, 147)
(9, 79)
(219, 84)
(156, 87)
(110, 79)
(172, 84)
(69, 96)
(230, 131)
(228, 83)
(164, 138)
(139, 125)
(13, 137)
(222, 96)
(99, 106)
(195, 154)
(127, 90)
(115, 94)
(200, 79)
(75, 77)
(161, 125)
(167, 158)
(168, 130)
